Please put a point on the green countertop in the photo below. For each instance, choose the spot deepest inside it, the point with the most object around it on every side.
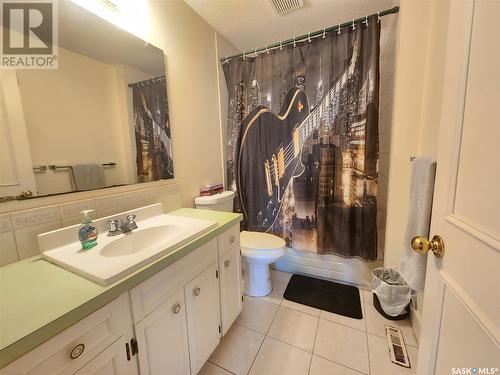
(38, 299)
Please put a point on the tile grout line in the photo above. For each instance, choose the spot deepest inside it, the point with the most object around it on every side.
(264, 339)
(225, 369)
(345, 325)
(313, 346)
(340, 364)
(384, 337)
(368, 353)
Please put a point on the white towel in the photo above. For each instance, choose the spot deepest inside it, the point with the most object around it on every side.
(88, 176)
(413, 265)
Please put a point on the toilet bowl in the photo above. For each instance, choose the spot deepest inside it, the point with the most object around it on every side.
(258, 249)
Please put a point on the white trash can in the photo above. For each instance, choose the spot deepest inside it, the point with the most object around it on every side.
(391, 294)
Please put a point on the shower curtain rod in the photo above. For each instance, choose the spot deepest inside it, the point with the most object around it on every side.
(147, 81)
(311, 35)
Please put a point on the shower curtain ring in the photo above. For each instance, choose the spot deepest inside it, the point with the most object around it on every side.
(294, 44)
(366, 21)
(338, 30)
(353, 25)
(256, 53)
(324, 33)
(378, 17)
(281, 46)
(267, 50)
(244, 57)
(309, 37)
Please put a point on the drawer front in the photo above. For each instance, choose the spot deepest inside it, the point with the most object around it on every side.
(150, 294)
(229, 240)
(74, 347)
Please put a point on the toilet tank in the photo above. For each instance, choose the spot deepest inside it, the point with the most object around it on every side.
(217, 202)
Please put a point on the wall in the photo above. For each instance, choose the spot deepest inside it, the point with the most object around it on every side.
(75, 107)
(189, 44)
(418, 91)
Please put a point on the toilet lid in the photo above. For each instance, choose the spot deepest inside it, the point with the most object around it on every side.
(260, 241)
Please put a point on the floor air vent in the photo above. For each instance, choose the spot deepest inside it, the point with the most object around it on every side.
(397, 347)
(286, 6)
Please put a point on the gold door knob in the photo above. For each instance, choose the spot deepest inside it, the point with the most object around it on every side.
(422, 245)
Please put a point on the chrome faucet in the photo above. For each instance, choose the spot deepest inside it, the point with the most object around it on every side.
(126, 225)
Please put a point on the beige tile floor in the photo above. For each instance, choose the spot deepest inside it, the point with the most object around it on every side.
(273, 336)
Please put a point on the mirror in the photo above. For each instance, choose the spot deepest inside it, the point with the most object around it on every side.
(100, 120)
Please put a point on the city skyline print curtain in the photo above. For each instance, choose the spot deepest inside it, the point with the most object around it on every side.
(152, 130)
(302, 138)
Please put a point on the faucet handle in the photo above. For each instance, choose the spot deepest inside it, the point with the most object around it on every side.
(131, 221)
(113, 226)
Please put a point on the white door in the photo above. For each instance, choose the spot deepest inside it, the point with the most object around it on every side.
(230, 287)
(162, 339)
(461, 319)
(16, 170)
(203, 316)
(111, 361)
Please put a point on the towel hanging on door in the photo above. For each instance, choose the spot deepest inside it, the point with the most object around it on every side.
(413, 265)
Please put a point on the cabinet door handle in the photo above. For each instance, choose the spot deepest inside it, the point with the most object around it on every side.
(77, 351)
(227, 263)
(232, 239)
(196, 291)
(176, 308)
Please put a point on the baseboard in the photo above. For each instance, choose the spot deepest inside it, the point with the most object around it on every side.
(415, 317)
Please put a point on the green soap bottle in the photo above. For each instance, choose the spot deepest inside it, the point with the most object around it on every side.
(87, 233)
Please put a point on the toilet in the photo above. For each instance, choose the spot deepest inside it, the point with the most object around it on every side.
(258, 249)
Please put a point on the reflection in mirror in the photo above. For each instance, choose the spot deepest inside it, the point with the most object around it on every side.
(101, 119)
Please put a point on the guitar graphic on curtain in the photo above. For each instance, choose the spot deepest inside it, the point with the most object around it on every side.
(270, 148)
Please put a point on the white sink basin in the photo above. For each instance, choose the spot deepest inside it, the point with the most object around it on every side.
(114, 257)
(140, 240)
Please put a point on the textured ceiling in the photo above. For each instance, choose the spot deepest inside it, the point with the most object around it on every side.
(250, 24)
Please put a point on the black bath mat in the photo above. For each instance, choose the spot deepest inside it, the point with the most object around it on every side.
(324, 295)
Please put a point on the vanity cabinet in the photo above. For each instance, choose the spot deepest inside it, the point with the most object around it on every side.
(169, 324)
(181, 312)
(99, 337)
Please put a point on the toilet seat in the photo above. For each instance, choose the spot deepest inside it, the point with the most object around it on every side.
(262, 245)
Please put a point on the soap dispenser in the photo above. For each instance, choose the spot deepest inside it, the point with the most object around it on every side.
(87, 233)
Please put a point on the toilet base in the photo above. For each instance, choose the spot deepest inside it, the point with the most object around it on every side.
(258, 281)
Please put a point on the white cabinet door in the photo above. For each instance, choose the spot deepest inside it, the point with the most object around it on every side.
(111, 361)
(203, 314)
(162, 339)
(230, 287)
(461, 319)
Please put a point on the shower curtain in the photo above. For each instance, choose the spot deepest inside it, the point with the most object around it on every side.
(152, 130)
(303, 141)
